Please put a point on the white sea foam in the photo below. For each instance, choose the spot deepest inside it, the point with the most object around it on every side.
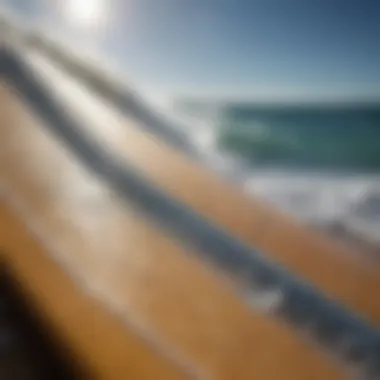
(350, 202)
(340, 203)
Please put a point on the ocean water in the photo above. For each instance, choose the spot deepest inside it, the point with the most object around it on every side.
(320, 163)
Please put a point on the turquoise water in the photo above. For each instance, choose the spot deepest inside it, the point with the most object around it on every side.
(319, 163)
(331, 137)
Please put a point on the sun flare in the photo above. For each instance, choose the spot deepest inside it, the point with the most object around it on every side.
(86, 12)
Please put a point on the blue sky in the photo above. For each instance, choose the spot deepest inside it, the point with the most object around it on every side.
(252, 47)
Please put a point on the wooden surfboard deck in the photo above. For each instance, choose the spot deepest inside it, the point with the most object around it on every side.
(128, 299)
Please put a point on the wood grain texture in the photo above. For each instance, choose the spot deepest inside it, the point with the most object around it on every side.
(105, 347)
(179, 305)
(332, 268)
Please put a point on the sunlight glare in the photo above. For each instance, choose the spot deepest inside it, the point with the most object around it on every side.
(86, 12)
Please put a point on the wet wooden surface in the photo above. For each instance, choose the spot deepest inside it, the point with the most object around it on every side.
(102, 345)
(312, 257)
(173, 306)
